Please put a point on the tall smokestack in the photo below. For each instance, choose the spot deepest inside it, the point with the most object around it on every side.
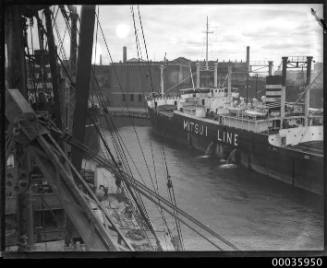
(270, 67)
(229, 82)
(197, 74)
(124, 54)
(215, 75)
(248, 57)
(162, 90)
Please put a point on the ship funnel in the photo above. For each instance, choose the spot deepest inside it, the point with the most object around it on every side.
(275, 96)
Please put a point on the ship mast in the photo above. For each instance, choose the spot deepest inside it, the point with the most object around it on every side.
(207, 36)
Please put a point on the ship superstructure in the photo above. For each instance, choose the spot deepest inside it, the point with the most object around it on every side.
(270, 135)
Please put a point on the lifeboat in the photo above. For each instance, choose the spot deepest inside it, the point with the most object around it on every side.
(255, 113)
(235, 110)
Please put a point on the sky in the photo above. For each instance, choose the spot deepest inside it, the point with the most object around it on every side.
(271, 31)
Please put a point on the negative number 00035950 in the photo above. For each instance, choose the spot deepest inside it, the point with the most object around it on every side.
(297, 262)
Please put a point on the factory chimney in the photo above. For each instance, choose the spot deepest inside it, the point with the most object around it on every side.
(124, 54)
(248, 57)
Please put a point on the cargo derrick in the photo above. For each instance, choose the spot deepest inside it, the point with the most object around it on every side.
(40, 146)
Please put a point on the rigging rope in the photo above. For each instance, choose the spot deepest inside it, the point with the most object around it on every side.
(103, 103)
(68, 75)
(139, 186)
(145, 46)
(122, 89)
(113, 167)
(156, 196)
(161, 212)
(137, 41)
(171, 193)
(155, 174)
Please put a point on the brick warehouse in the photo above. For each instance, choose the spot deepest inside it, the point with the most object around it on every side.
(126, 83)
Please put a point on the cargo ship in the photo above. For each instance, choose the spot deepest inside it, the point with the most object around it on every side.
(282, 143)
(283, 140)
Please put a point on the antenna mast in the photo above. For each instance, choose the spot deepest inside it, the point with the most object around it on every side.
(207, 33)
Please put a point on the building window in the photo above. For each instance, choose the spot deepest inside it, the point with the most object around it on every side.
(140, 97)
(132, 97)
(124, 97)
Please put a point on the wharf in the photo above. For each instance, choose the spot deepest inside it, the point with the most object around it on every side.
(129, 112)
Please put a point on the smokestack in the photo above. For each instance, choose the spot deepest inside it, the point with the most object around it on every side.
(124, 54)
(100, 59)
(197, 74)
(215, 75)
(270, 67)
(162, 90)
(284, 70)
(229, 82)
(248, 57)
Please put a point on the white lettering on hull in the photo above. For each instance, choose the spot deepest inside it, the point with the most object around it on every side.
(227, 137)
(195, 128)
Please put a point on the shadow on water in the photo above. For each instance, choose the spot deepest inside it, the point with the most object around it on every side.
(240, 175)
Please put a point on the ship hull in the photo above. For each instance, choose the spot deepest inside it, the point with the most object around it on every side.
(252, 150)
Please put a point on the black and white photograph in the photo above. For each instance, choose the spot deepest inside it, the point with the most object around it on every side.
(162, 128)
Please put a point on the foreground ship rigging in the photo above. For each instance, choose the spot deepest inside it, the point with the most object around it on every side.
(283, 140)
(45, 150)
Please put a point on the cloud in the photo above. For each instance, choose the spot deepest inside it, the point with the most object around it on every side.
(285, 46)
(272, 31)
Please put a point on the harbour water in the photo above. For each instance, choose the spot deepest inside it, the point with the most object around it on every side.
(248, 209)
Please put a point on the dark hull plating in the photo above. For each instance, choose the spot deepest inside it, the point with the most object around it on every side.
(294, 167)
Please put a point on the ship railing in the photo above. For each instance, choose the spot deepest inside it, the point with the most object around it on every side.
(258, 125)
(249, 124)
(270, 118)
(162, 100)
